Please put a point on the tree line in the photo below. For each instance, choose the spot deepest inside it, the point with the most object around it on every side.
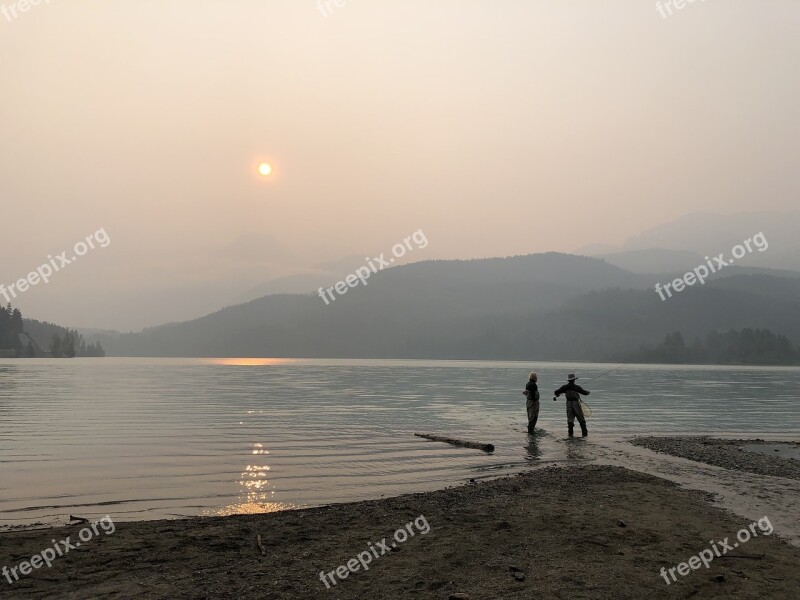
(16, 342)
(11, 328)
(745, 347)
(72, 344)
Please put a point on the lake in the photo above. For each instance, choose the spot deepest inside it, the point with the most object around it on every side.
(164, 438)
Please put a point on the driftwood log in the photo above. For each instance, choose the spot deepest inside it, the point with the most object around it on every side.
(80, 520)
(454, 442)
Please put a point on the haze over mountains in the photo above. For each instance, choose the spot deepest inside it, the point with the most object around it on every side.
(545, 306)
(679, 244)
(541, 306)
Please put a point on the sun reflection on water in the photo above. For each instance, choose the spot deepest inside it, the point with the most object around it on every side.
(251, 362)
(256, 495)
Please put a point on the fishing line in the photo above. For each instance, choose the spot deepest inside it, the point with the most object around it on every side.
(598, 377)
(607, 372)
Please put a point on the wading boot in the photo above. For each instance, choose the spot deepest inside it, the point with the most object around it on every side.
(571, 427)
(530, 426)
(584, 430)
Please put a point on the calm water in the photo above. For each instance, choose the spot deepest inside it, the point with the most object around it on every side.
(153, 438)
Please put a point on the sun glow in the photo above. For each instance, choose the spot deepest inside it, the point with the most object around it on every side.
(250, 362)
(265, 169)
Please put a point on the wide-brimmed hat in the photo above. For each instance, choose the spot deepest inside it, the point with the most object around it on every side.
(571, 377)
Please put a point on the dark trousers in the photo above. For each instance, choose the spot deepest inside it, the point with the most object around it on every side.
(533, 413)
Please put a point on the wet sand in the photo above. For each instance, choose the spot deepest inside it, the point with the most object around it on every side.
(745, 494)
(594, 531)
(730, 454)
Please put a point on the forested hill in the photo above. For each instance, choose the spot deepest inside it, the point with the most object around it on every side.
(28, 338)
(545, 306)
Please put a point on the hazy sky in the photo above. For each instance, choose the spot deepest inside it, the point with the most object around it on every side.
(497, 126)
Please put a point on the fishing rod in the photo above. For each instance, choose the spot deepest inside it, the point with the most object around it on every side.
(606, 373)
(583, 403)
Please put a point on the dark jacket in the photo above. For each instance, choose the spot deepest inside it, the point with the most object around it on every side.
(572, 390)
(532, 389)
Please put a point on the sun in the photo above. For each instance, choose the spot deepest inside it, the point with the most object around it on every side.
(265, 169)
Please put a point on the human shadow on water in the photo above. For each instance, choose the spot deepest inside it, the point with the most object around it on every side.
(533, 452)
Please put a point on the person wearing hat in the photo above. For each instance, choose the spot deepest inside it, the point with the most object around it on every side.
(573, 393)
(532, 404)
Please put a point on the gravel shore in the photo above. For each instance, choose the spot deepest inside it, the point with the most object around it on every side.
(573, 532)
(728, 454)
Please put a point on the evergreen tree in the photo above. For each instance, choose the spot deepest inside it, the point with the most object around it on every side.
(17, 328)
(5, 327)
(55, 346)
(68, 344)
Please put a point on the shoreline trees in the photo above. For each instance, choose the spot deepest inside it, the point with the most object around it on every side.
(64, 343)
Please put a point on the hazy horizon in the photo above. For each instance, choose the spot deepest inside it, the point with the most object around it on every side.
(497, 128)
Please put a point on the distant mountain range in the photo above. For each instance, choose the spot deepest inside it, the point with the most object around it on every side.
(311, 279)
(678, 244)
(542, 306)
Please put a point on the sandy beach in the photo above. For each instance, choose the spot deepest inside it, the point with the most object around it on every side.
(594, 531)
